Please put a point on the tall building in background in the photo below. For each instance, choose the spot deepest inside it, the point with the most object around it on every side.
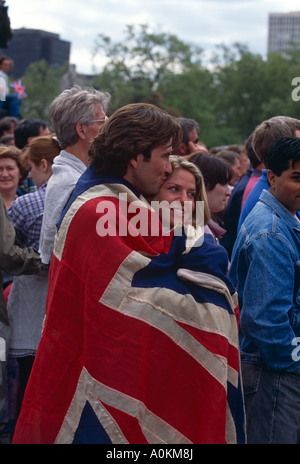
(30, 45)
(284, 32)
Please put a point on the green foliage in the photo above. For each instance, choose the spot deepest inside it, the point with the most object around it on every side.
(228, 97)
(239, 91)
(191, 94)
(136, 66)
(42, 83)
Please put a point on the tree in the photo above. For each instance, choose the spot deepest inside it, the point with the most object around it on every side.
(191, 94)
(136, 66)
(280, 70)
(42, 83)
(228, 98)
(250, 89)
(240, 91)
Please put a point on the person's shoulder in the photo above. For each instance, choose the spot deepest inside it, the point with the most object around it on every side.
(66, 173)
(265, 225)
(28, 204)
(21, 202)
(259, 219)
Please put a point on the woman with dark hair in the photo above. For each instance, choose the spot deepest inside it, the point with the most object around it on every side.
(217, 175)
(233, 159)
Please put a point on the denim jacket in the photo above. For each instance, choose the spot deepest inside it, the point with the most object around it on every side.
(265, 268)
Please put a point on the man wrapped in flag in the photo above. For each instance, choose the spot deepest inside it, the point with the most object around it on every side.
(140, 343)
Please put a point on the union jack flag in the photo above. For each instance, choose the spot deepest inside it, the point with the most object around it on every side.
(19, 88)
(140, 343)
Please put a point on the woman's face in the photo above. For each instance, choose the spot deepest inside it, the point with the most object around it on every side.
(237, 172)
(9, 175)
(218, 198)
(39, 173)
(179, 191)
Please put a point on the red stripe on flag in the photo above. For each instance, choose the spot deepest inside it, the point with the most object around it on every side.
(129, 425)
(216, 343)
(154, 369)
(121, 352)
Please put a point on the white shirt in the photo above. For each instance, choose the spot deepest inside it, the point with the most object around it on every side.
(4, 89)
(67, 169)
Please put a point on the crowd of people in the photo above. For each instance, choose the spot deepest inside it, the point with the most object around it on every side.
(117, 329)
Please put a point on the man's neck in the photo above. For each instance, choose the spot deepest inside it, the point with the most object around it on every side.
(9, 198)
(292, 212)
(79, 151)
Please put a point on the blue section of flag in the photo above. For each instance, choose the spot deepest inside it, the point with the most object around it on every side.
(208, 258)
(90, 429)
(235, 402)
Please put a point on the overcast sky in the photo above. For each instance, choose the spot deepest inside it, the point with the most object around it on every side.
(202, 22)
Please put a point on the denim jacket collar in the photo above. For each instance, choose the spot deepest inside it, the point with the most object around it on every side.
(269, 199)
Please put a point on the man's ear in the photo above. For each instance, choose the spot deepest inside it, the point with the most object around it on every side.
(136, 162)
(44, 165)
(271, 177)
(80, 129)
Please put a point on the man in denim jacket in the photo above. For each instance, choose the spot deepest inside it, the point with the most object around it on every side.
(265, 268)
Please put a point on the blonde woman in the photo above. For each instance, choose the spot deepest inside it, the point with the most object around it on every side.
(186, 186)
(185, 189)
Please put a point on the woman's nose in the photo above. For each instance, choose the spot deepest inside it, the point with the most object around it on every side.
(183, 196)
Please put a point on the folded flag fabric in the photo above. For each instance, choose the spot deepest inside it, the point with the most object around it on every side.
(19, 88)
(140, 343)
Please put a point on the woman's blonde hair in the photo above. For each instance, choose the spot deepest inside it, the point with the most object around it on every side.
(179, 162)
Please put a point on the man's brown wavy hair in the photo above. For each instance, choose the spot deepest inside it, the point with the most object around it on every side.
(134, 129)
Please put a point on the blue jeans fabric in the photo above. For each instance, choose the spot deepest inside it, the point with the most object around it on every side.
(265, 269)
(14, 104)
(272, 405)
(253, 197)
